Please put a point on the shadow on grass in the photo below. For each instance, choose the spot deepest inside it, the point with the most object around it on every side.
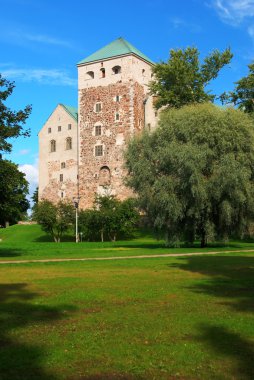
(228, 277)
(231, 280)
(230, 345)
(20, 360)
(10, 252)
(49, 239)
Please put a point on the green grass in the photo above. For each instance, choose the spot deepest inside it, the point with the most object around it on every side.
(29, 242)
(169, 318)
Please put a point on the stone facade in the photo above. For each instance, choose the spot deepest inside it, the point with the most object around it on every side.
(58, 168)
(113, 106)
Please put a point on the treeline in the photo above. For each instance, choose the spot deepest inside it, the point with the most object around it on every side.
(109, 219)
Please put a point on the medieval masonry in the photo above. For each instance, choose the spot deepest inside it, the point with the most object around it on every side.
(81, 150)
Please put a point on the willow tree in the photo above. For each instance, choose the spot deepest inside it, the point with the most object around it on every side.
(194, 176)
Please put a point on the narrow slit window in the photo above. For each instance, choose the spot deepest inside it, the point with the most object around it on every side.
(98, 107)
(52, 145)
(49, 130)
(59, 128)
(62, 165)
(61, 178)
(68, 143)
(98, 150)
(117, 116)
(69, 127)
(97, 130)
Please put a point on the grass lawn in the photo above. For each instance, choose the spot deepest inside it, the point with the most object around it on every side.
(167, 318)
(29, 242)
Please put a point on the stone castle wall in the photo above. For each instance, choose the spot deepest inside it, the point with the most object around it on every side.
(115, 135)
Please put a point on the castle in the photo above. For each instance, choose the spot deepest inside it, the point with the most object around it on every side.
(81, 150)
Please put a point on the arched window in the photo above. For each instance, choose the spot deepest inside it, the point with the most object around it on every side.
(104, 176)
(103, 72)
(116, 69)
(52, 146)
(68, 143)
(90, 75)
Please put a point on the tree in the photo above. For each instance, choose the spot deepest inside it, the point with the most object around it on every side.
(13, 192)
(11, 122)
(243, 95)
(109, 219)
(183, 79)
(195, 174)
(55, 219)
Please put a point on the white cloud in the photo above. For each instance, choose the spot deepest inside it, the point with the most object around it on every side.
(23, 152)
(44, 76)
(179, 23)
(21, 37)
(233, 11)
(31, 172)
(251, 31)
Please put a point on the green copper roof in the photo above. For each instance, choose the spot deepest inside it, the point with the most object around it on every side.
(118, 47)
(73, 111)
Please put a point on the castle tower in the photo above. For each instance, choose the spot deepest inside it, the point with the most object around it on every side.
(114, 105)
(58, 155)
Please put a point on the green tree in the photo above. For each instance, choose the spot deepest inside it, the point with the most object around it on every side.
(243, 94)
(195, 174)
(55, 219)
(13, 192)
(183, 79)
(109, 219)
(11, 122)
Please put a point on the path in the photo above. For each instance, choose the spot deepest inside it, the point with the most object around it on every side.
(122, 257)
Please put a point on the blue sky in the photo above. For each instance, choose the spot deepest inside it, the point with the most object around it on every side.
(42, 40)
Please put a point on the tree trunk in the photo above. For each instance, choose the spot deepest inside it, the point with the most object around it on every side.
(102, 237)
(203, 242)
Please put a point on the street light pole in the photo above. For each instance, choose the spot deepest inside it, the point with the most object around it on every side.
(76, 203)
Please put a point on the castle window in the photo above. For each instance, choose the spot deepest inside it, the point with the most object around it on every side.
(61, 178)
(98, 150)
(90, 75)
(52, 146)
(59, 128)
(62, 194)
(143, 71)
(68, 143)
(49, 130)
(98, 107)
(117, 98)
(62, 165)
(116, 69)
(117, 116)
(103, 72)
(69, 126)
(97, 130)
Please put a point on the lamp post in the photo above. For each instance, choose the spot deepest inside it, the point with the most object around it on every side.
(76, 203)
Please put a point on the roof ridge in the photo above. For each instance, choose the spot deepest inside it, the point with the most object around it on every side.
(118, 47)
(72, 111)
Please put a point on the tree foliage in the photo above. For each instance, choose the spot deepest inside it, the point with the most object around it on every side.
(243, 94)
(109, 219)
(55, 219)
(11, 122)
(183, 79)
(194, 175)
(13, 192)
